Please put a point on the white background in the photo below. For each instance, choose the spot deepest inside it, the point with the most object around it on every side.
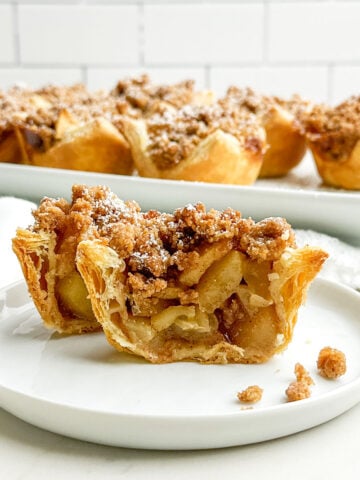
(277, 46)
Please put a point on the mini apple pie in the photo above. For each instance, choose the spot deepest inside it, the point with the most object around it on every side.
(197, 285)
(333, 135)
(64, 127)
(284, 136)
(13, 107)
(201, 143)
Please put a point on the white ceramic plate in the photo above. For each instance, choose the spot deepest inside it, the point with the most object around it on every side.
(81, 387)
(298, 197)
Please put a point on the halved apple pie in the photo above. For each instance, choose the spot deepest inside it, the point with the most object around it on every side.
(197, 285)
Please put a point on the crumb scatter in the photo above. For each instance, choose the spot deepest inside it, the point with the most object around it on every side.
(252, 394)
(299, 389)
(331, 363)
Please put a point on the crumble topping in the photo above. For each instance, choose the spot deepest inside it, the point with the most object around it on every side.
(300, 388)
(143, 97)
(173, 135)
(36, 112)
(334, 130)
(247, 99)
(158, 245)
(252, 394)
(331, 363)
(259, 104)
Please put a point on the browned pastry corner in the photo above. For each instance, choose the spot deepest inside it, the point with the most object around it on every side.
(284, 136)
(198, 285)
(13, 107)
(10, 151)
(201, 143)
(46, 252)
(141, 98)
(63, 127)
(96, 146)
(333, 135)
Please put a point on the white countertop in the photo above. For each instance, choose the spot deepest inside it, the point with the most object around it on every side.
(327, 451)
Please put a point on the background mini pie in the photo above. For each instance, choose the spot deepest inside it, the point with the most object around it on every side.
(284, 136)
(63, 127)
(333, 135)
(201, 143)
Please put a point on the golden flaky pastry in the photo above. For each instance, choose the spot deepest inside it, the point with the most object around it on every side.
(333, 135)
(201, 143)
(46, 252)
(63, 127)
(196, 284)
(285, 139)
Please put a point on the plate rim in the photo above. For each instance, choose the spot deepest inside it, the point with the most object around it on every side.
(339, 391)
(294, 191)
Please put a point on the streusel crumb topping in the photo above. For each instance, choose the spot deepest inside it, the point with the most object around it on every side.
(173, 135)
(36, 112)
(259, 104)
(144, 97)
(158, 245)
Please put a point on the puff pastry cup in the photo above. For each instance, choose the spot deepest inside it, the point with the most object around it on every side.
(199, 285)
(202, 143)
(333, 135)
(63, 127)
(280, 119)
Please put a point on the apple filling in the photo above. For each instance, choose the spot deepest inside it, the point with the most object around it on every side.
(73, 296)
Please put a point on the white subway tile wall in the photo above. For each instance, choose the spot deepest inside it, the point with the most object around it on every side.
(203, 34)
(277, 46)
(7, 34)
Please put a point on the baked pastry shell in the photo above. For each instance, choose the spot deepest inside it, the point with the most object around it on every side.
(10, 151)
(35, 252)
(286, 144)
(219, 158)
(96, 146)
(339, 173)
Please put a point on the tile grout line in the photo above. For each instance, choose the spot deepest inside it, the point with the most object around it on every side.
(207, 76)
(330, 82)
(266, 27)
(84, 74)
(16, 33)
(141, 32)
